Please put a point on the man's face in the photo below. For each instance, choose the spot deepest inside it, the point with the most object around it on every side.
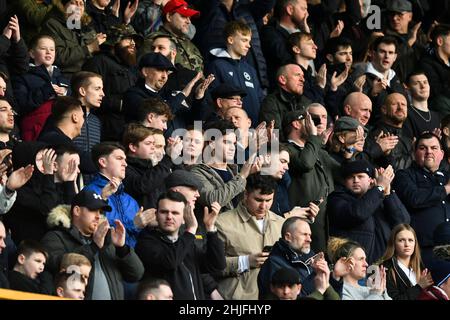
(155, 78)
(429, 154)
(2, 237)
(126, 51)
(93, 94)
(361, 110)
(344, 55)
(286, 291)
(73, 290)
(75, 9)
(33, 265)
(294, 79)
(360, 264)
(239, 118)
(87, 220)
(229, 102)
(160, 146)
(226, 147)
(62, 164)
(162, 45)
(6, 117)
(395, 108)
(44, 53)
(115, 164)
(308, 48)
(2, 87)
(384, 57)
(419, 87)
(358, 183)
(102, 3)
(445, 47)
(300, 237)
(282, 161)
(193, 143)
(300, 10)
(240, 44)
(145, 149)
(319, 112)
(158, 121)
(170, 216)
(399, 21)
(191, 194)
(179, 24)
(258, 204)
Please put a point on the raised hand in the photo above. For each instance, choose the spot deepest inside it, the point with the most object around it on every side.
(15, 28)
(118, 234)
(145, 218)
(387, 142)
(130, 11)
(19, 177)
(336, 81)
(337, 30)
(210, 216)
(48, 161)
(201, 89)
(359, 82)
(70, 172)
(188, 89)
(100, 233)
(425, 280)
(311, 128)
(190, 220)
(413, 35)
(110, 188)
(384, 178)
(321, 76)
(115, 9)
(174, 147)
(378, 85)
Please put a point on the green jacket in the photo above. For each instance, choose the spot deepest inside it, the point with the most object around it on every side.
(214, 189)
(313, 173)
(329, 294)
(188, 54)
(71, 49)
(277, 104)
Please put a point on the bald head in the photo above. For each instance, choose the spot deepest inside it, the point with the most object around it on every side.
(357, 105)
(239, 117)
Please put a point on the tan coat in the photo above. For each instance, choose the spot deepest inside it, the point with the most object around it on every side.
(240, 233)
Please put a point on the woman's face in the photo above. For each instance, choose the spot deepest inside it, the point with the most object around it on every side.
(404, 244)
(360, 264)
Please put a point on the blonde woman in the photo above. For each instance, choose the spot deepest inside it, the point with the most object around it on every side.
(406, 277)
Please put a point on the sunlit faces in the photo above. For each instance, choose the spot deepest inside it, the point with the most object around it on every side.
(86, 220)
(286, 291)
(178, 23)
(384, 57)
(6, 117)
(395, 108)
(359, 107)
(298, 11)
(155, 78)
(344, 55)
(258, 204)
(419, 87)
(33, 265)
(114, 165)
(358, 183)
(404, 244)
(281, 163)
(429, 154)
(225, 148)
(170, 216)
(191, 194)
(93, 93)
(62, 163)
(399, 21)
(160, 146)
(145, 149)
(157, 121)
(73, 290)
(360, 264)
(308, 48)
(162, 45)
(193, 142)
(320, 112)
(229, 102)
(239, 44)
(293, 79)
(299, 237)
(239, 118)
(44, 52)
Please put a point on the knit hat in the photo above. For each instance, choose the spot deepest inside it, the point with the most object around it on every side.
(285, 276)
(358, 166)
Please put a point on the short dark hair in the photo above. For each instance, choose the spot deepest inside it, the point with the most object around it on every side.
(64, 106)
(61, 149)
(425, 136)
(149, 286)
(153, 105)
(224, 126)
(288, 224)
(104, 149)
(135, 133)
(266, 184)
(295, 38)
(333, 44)
(81, 79)
(172, 44)
(35, 40)
(280, 5)
(233, 27)
(171, 195)
(441, 30)
(415, 73)
(4, 76)
(385, 40)
(28, 247)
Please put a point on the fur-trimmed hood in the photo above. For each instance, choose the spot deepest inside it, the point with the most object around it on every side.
(59, 217)
(442, 252)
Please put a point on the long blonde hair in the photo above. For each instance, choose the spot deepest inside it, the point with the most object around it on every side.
(415, 261)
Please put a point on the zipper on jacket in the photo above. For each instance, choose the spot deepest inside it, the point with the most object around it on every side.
(190, 279)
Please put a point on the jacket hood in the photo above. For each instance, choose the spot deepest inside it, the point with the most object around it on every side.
(24, 153)
(59, 217)
(220, 53)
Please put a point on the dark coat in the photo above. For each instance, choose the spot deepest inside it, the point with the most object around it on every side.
(117, 78)
(145, 182)
(34, 88)
(118, 264)
(424, 195)
(438, 74)
(102, 20)
(181, 262)
(43, 284)
(367, 220)
(398, 285)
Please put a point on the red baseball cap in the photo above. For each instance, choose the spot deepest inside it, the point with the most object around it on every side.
(181, 7)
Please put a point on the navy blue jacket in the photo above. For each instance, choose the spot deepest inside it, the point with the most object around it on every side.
(423, 193)
(367, 220)
(213, 19)
(35, 87)
(240, 74)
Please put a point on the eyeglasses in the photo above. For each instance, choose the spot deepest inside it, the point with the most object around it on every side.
(237, 99)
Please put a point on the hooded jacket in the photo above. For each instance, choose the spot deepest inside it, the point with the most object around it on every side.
(181, 262)
(27, 218)
(239, 74)
(124, 207)
(118, 264)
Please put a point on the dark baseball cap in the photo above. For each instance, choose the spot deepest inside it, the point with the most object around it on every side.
(399, 6)
(285, 276)
(181, 7)
(292, 116)
(346, 123)
(182, 178)
(91, 200)
(358, 166)
(155, 60)
(226, 90)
